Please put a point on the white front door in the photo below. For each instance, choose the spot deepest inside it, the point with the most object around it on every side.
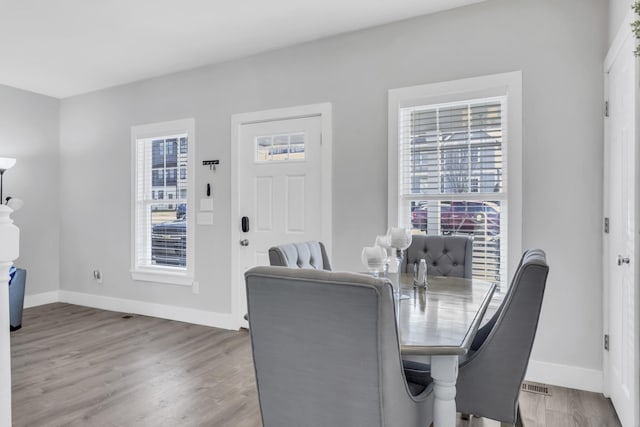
(620, 269)
(281, 190)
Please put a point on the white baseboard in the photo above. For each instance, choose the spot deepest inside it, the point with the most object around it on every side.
(565, 376)
(181, 314)
(41, 299)
(542, 372)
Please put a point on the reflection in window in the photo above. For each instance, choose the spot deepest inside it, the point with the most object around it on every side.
(171, 146)
(157, 177)
(171, 177)
(157, 157)
(172, 152)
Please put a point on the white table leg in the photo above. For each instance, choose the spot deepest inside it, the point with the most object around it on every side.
(444, 371)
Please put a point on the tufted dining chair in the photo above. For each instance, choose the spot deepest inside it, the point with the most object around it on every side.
(311, 254)
(445, 255)
(490, 375)
(326, 351)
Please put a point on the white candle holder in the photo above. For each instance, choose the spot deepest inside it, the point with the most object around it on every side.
(373, 258)
(400, 239)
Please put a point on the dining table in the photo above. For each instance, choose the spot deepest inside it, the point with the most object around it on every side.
(437, 323)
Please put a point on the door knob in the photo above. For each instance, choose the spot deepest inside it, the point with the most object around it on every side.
(244, 242)
(622, 260)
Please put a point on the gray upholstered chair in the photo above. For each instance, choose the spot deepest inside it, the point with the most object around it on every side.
(489, 378)
(445, 255)
(16, 299)
(310, 254)
(326, 352)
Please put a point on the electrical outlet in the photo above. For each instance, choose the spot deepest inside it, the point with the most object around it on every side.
(195, 288)
(97, 276)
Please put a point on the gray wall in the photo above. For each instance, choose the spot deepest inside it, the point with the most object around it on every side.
(558, 45)
(618, 9)
(29, 131)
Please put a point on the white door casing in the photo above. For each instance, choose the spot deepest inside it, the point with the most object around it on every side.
(621, 242)
(285, 200)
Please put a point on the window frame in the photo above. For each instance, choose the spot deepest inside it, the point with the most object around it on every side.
(162, 274)
(495, 85)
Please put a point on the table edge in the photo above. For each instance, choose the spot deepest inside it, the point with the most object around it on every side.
(454, 350)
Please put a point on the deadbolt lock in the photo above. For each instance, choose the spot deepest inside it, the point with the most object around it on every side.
(623, 260)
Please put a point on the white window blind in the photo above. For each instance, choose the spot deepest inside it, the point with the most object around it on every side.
(161, 188)
(452, 175)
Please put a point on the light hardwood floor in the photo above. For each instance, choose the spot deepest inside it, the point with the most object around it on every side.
(78, 366)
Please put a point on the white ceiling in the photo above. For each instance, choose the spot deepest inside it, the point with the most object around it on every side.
(67, 47)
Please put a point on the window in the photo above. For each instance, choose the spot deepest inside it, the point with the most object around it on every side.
(280, 147)
(451, 146)
(158, 154)
(171, 178)
(162, 235)
(171, 156)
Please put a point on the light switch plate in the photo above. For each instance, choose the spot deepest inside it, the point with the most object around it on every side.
(206, 205)
(205, 218)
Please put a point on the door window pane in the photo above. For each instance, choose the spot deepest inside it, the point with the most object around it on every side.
(280, 147)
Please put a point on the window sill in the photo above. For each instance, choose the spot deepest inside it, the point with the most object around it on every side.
(157, 276)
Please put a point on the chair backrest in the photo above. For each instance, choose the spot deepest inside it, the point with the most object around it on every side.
(445, 255)
(310, 254)
(489, 380)
(325, 349)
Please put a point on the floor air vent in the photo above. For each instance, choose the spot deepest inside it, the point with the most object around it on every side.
(536, 388)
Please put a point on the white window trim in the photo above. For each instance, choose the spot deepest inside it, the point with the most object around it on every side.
(161, 274)
(505, 84)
